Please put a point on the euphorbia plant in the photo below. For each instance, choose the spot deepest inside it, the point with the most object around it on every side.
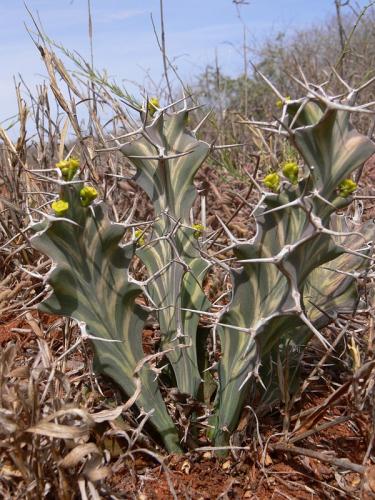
(281, 283)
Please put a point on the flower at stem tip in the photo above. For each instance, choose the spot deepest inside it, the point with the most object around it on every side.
(60, 207)
(88, 195)
(280, 103)
(347, 187)
(68, 168)
(153, 105)
(138, 235)
(290, 170)
(272, 181)
(198, 230)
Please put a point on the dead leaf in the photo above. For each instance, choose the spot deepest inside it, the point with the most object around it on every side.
(94, 470)
(185, 467)
(107, 415)
(79, 412)
(8, 470)
(7, 358)
(78, 453)
(7, 423)
(369, 480)
(60, 431)
(20, 372)
(226, 465)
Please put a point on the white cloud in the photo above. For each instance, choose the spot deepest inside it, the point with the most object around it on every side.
(122, 15)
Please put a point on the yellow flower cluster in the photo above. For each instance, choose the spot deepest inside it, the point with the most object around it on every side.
(347, 187)
(60, 207)
(68, 168)
(280, 103)
(138, 235)
(290, 170)
(272, 181)
(198, 230)
(88, 195)
(152, 106)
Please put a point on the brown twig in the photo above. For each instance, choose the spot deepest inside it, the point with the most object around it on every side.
(324, 457)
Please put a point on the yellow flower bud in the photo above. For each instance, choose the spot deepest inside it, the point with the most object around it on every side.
(62, 164)
(74, 162)
(88, 195)
(198, 230)
(280, 103)
(68, 168)
(138, 235)
(347, 187)
(272, 181)
(290, 170)
(60, 207)
(153, 105)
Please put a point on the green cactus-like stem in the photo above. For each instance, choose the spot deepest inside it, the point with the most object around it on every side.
(90, 283)
(167, 156)
(292, 241)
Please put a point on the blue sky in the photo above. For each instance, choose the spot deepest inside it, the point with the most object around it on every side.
(124, 43)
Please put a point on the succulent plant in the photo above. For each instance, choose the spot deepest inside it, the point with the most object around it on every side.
(90, 282)
(296, 274)
(294, 237)
(330, 290)
(167, 156)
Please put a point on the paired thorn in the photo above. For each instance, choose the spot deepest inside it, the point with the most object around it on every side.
(160, 156)
(225, 146)
(316, 332)
(200, 124)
